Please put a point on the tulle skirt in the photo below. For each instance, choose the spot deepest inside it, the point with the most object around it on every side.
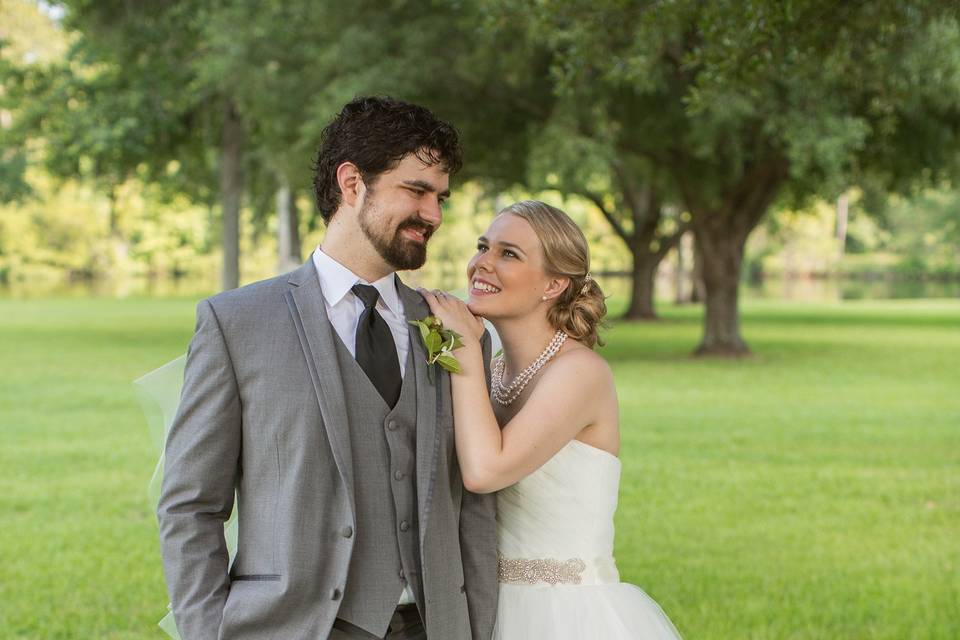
(616, 611)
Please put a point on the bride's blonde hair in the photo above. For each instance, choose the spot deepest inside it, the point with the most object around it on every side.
(580, 309)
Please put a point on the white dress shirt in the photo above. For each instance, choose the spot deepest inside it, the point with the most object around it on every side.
(344, 309)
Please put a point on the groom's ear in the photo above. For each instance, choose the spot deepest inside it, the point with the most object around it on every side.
(350, 182)
(556, 287)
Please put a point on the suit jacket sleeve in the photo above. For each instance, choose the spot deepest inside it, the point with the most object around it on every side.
(478, 545)
(201, 467)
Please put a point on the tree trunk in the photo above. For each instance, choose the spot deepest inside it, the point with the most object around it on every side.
(721, 229)
(645, 263)
(722, 255)
(231, 190)
(697, 293)
(113, 216)
(288, 228)
(679, 295)
(843, 208)
(120, 250)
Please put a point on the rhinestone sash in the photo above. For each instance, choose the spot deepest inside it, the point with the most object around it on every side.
(532, 571)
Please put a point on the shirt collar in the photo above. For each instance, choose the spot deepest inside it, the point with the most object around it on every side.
(336, 281)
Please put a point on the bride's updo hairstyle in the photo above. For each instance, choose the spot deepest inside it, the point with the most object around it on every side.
(580, 309)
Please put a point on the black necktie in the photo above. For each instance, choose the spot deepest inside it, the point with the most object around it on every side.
(376, 352)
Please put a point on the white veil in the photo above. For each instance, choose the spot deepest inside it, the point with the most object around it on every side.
(159, 395)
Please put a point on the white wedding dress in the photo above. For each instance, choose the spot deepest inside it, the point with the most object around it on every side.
(558, 578)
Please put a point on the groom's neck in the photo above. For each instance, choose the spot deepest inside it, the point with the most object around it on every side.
(351, 248)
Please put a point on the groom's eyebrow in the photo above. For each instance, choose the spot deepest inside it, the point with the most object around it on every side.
(426, 186)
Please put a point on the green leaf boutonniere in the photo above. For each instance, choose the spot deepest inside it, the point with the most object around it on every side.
(439, 342)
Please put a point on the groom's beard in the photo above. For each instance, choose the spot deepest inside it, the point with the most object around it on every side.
(399, 252)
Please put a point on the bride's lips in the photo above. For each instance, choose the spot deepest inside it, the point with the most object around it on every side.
(476, 291)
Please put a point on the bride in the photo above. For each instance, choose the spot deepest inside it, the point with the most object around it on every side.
(548, 440)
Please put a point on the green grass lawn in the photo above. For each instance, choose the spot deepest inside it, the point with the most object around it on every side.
(811, 491)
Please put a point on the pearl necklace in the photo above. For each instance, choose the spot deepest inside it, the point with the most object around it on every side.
(505, 395)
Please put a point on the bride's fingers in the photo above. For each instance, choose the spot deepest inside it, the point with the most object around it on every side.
(431, 299)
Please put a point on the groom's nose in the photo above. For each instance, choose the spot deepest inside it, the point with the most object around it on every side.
(431, 213)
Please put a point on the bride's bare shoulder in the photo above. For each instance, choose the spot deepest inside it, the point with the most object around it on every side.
(583, 363)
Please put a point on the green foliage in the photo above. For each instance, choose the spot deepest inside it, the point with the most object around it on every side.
(706, 90)
(602, 99)
(69, 229)
(925, 230)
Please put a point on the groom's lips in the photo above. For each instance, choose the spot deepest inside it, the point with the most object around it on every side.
(419, 236)
(417, 233)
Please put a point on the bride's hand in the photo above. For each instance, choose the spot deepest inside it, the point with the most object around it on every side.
(454, 314)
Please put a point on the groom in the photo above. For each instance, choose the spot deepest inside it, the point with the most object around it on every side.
(308, 397)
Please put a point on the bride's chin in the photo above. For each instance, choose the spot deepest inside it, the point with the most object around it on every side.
(480, 307)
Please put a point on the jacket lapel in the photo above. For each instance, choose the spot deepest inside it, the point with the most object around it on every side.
(305, 300)
(428, 406)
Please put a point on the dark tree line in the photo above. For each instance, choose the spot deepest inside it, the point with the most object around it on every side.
(669, 117)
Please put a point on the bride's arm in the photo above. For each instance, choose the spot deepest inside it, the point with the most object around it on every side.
(563, 403)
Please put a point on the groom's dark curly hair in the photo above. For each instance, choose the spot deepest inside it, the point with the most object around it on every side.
(376, 133)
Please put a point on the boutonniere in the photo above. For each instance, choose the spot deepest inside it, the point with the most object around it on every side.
(439, 343)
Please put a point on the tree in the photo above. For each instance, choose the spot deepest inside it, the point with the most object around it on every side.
(536, 134)
(251, 84)
(739, 103)
(576, 156)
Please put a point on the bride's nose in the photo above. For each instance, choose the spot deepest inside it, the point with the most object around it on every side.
(481, 262)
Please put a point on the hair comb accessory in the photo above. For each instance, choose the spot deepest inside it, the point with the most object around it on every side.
(586, 283)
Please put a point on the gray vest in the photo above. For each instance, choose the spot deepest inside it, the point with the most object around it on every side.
(383, 442)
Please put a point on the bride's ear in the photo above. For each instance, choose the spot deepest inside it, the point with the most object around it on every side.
(555, 288)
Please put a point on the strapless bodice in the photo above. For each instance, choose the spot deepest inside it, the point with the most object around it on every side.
(556, 525)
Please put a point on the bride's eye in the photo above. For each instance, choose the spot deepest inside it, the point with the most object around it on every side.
(481, 247)
(509, 253)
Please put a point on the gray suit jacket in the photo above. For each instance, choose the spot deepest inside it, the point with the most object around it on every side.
(262, 415)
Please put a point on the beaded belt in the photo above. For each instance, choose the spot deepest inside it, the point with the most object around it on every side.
(535, 570)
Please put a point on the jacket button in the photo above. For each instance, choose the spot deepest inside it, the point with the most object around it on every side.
(392, 425)
(336, 594)
(398, 475)
(347, 532)
(404, 525)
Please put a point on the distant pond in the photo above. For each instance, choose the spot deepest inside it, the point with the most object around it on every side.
(796, 289)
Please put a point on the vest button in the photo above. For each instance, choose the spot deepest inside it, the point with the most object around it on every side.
(398, 475)
(336, 594)
(392, 425)
(404, 525)
(347, 532)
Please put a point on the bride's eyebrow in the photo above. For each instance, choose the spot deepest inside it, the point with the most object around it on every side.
(512, 247)
(506, 245)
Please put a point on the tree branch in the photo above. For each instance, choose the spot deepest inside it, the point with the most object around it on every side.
(610, 217)
(671, 241)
